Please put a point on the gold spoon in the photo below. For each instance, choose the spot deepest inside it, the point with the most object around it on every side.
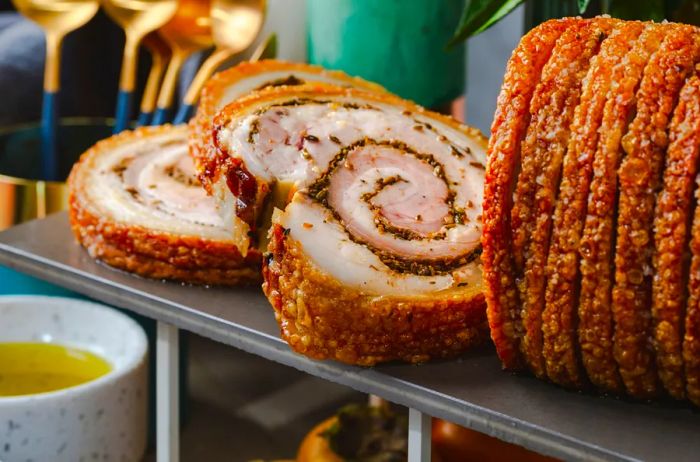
(160, 55)
(267, 49)
(57, 18)
(186, 32)
(235, 24)
(137, 18)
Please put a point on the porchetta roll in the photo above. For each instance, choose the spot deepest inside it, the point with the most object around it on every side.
(376, 255)
(247, 77)
(136, 204)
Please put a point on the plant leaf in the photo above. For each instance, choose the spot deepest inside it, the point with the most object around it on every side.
(479, 15)
(634, 9)
(583, 5)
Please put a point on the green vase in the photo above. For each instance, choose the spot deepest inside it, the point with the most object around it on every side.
(400, 44)
(687, 11)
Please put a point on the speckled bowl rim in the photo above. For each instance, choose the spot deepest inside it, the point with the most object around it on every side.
(136, 358)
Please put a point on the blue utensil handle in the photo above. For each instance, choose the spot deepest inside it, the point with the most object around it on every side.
(49, 149)
(123, 111)
(161, 116)
(144, 119)
(184, 114)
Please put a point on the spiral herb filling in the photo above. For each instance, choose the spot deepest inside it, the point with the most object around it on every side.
(128, 169)
(291, 80)
(317, 148)
(319, 189)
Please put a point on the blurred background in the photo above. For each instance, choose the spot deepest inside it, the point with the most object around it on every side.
(401, 44)
(92, 56)
(264, 414)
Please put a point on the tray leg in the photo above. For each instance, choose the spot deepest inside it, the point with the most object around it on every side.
(167, 393)
(419, 436)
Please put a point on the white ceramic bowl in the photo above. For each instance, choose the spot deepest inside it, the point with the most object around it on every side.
(104, 419)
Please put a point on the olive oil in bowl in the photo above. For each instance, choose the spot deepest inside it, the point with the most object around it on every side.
(30, 368)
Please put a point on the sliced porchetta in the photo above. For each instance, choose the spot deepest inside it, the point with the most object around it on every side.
(376, 254)
(248, 77)
(137, 205)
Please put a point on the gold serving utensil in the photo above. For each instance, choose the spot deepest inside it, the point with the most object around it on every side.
(160, 56)
(186, 32)
(235, 24)
(267, 49)
(57, 18)
(137, 18)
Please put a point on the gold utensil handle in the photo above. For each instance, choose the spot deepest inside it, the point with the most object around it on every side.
(160, 55)
(52, 68)
(167, 89)
(210, 65)
(127, 78)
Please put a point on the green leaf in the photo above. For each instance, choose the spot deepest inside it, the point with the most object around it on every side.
(634, 9)
(583, 5)
(479, 15)
(686, 11)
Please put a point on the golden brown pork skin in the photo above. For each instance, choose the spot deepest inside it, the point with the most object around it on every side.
(321, 318)
(620, 287)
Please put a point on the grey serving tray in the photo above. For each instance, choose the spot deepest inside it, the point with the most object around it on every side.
(471, 391)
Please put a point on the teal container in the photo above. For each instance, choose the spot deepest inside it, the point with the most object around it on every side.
(400, 44)
(12, 282)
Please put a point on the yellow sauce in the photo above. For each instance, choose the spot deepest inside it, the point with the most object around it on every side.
(29, 368)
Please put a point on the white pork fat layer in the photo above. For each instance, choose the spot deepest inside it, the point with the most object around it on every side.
(327, 244)
(150, 182)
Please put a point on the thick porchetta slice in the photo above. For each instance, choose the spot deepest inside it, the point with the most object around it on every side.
(136, 204)
(561, 296)
(552, 111)
(671, 231)
(376, 255)
(595, 329)
(691, 338)
(245, 78)
(639, 179)
(509, 125)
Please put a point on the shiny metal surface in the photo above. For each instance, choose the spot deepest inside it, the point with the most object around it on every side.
(22, 196)
(23, 200)
(160, 57)
(471, 390)
(137, 18)
(235, 24)
(57, 18)
(188, 31)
